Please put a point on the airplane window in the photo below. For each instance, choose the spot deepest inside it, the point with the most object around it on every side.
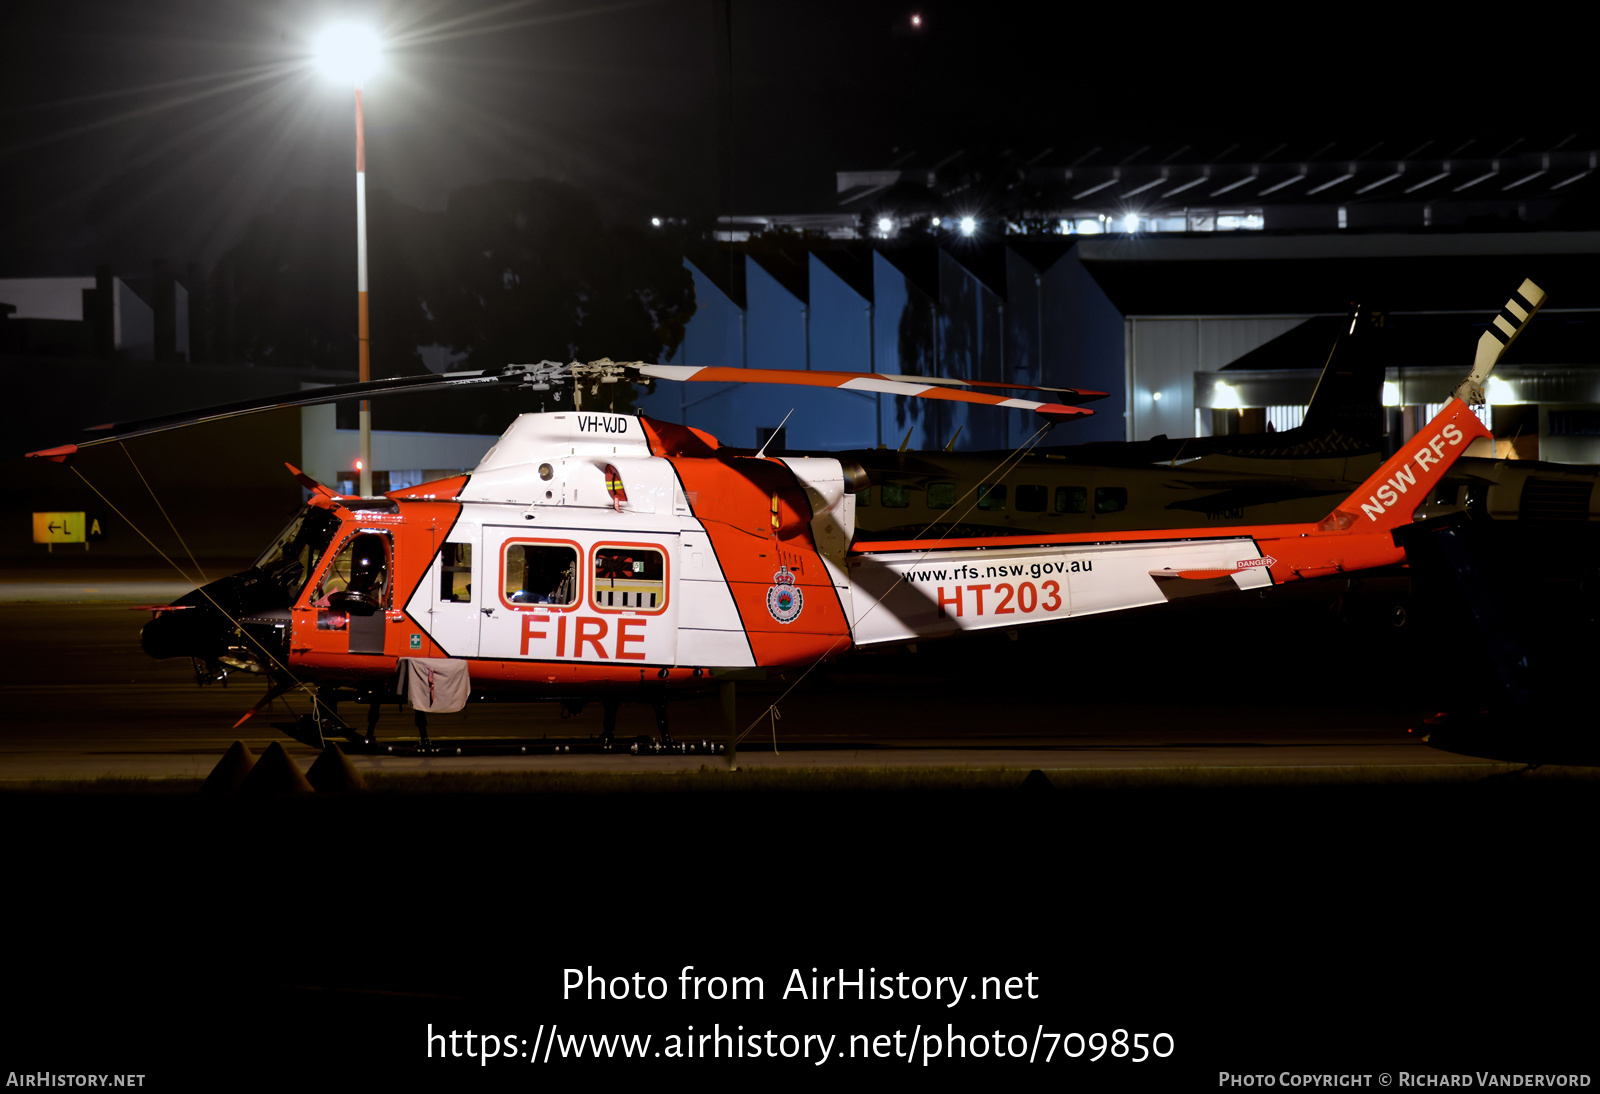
(630, 577)
(941, 495)
(864, 498)
(1110, 499)
(360, 572)
(1072, 499)
(1032, 499)
(540, 573)
(992, 496)
(896, 496)
(455, 583)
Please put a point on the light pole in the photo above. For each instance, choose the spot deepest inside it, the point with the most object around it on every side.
(349, 54)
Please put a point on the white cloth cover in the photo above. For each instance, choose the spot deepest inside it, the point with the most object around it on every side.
(434, 684)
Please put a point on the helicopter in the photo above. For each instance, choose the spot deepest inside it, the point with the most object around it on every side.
(603, 556)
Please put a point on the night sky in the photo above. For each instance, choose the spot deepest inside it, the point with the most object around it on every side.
(161, 129)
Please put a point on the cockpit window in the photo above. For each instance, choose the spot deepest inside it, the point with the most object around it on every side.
(294, 554)
(359, 573)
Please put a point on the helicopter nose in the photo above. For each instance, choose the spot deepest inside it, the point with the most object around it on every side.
(188, 631)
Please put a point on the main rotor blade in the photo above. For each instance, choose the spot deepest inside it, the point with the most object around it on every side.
(1076, 394)
(119, 431)
(921, 387)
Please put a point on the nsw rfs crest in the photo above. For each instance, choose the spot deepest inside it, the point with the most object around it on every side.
(784, 599)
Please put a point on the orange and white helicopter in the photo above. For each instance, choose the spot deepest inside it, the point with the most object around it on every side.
(610, 556)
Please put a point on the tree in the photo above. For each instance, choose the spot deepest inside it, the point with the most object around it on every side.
(510, 272)
(530, 271)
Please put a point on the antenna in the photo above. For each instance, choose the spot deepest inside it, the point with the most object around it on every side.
(762, 454)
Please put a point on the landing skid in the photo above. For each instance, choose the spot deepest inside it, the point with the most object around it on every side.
(315, 728)
(589, 746)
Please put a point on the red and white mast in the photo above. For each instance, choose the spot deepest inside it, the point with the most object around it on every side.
(364, 352)
(348, 54)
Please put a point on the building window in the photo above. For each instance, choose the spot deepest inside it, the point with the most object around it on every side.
(941, 495)
(455, 578)
(540, 573)
(630, 577)
(992, 496)
(1110, 499)
(1032, 499)
(1248, 221)
(1570, 423)
(896, 495)
(1280, 418)
(1072, 499)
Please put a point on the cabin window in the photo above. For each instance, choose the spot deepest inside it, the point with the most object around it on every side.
(1072, 499)
(941, 495)
(1110, 499)
(455, 577)
(896, 496)
(540, 573)
(634, 578)
(864, 498)
(992, 496)
(1033, 499)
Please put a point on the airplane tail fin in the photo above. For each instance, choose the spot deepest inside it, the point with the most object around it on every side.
(1348, 399)
(1390, 497)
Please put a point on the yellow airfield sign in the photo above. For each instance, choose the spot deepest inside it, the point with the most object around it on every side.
(64, 528)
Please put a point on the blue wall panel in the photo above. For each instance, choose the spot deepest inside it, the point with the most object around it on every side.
(713, 337)
(1083, 347)
(903, 322)
(1052, 327)
(776, 337)
(841, 339)
(971, 321)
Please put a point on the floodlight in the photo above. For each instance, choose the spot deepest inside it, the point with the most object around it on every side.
(968, 226)
(348, 53)
(885, 225)
(1130, 223)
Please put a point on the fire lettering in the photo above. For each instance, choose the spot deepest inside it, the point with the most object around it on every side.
(624, 638)
(582, 634)
(528, 633)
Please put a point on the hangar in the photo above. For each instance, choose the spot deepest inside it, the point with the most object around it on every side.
(1201, 291)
